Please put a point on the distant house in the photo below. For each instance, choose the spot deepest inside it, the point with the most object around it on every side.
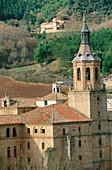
(53, 26)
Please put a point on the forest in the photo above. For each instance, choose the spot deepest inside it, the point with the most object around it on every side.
(39, 10)
(65, 48)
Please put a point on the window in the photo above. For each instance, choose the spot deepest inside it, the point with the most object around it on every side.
(100, 142)
(79, 129)
(43, 146)
(28, 144)
(80, 157)
(85, 38)
(29, 159)
(96, 73)
(20, 146)
(54, 90)
(57, 89)
(99, 126)
(63, 131)
(14, 132)
(98, 99)
(35, 130)
(8, 168)
(100, 154)
(79, 143)
(8, 152)
(78, 74)
(8, 132)
(14, 151)
(5, 103)
(45, 102)
(87, 73)
(28, 130)
(98, 114)
(43, 130)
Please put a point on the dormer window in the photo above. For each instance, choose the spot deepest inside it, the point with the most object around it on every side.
(87, 54)
(79, 54)
(94, 54)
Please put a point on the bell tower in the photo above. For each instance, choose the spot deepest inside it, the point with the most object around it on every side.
(86, 64)
(86, 70)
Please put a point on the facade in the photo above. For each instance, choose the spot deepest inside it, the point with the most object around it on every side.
(53, 26)
(60, 131)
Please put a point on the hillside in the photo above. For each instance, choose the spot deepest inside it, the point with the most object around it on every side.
(31, 13)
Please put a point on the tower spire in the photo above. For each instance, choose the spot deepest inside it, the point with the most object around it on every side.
(84, 17)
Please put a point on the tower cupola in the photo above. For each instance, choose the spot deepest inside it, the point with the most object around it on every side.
(56, 87)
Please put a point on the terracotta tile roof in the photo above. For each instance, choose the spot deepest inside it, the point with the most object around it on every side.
(53, 96)
(55, 113)
(10, 119)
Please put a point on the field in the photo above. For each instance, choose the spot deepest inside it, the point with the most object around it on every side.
(20, 89)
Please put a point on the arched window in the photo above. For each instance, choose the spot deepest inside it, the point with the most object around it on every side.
(87, 73)
(96, 73)
(78, 74)
(8, 132)
(42, 130)
(14, 132)
(5, 103)
(35, 130)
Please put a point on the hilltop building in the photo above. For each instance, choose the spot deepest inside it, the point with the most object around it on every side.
(69, 131)
(53, 26)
